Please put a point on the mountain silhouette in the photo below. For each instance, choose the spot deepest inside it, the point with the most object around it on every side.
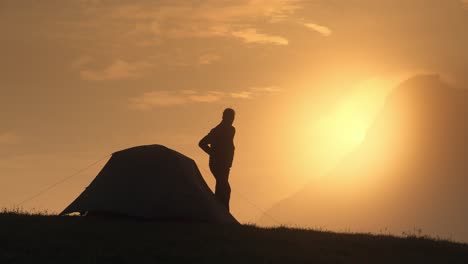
(410, 172)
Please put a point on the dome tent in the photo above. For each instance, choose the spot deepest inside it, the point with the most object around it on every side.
(151, 182)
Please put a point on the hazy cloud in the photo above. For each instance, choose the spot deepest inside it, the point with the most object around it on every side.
(155, 99)
(118, 70)
(255, 92)
(213, 13)
(125, 27)
(212, 18)
(266, 89)
(209, 97)
(188, 92)
(250, 35)
(8, 138)
(325, 31)
(81, 61)
(209, 58)
(89, 2)
(242, 95)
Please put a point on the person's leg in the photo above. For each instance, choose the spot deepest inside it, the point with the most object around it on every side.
(215, 171)
(218, 186)
(225, 188)
(222, 189)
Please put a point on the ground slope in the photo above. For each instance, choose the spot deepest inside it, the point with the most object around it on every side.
(50, 239)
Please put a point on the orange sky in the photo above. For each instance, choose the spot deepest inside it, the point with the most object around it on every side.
(84, 78)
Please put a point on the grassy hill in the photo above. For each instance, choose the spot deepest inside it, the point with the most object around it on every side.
(52, 239)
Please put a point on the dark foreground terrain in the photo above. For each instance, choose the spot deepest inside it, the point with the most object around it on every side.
(50, 239)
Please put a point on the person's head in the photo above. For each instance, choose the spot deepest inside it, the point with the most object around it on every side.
(228, 115)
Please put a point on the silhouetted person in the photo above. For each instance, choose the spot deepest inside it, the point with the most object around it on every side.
(219, 144)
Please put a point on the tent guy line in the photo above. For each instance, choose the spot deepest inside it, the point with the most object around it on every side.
(32, 197)
(244, 197)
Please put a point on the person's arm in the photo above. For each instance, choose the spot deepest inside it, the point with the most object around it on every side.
(205, 144)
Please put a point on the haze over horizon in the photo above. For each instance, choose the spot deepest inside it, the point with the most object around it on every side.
(84, 78)
(411, 170)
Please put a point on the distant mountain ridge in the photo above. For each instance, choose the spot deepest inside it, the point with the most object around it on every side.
(422, 133)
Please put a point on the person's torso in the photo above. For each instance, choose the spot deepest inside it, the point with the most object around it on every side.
(222, 143)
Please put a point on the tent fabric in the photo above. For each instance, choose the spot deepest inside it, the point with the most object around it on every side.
(152, 182)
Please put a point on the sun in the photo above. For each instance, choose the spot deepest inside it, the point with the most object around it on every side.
(348, 122)
(326, 141)
(355, 135)
(343, 131)
(341, 127)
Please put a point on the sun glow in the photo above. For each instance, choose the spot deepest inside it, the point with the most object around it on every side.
(344, 125)
(340, 132)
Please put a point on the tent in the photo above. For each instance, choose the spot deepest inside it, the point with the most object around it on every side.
(151, 182)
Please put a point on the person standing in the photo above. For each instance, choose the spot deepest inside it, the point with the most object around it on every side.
(219, 145)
